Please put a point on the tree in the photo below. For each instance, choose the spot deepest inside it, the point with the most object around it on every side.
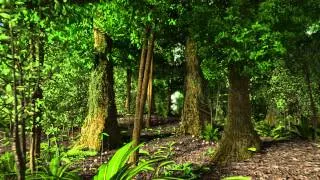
(102, 114)
(244, 45)
(195, 109)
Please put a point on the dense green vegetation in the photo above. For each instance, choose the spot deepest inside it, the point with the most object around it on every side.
(81, 77)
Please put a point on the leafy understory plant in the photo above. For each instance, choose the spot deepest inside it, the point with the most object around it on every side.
(211, 133)
(56, 170)
(7, 166)
(118, 168)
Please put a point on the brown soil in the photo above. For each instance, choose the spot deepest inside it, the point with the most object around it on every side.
(294, 159)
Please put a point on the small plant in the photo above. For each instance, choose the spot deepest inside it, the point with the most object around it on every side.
(7, 166)
(184, 171)
(210, 152)
(211, 133)
(280, 132)
(80, 153)
(263, 128)
(304, 130)
(165, 152)
(56, 170)
(118, 168)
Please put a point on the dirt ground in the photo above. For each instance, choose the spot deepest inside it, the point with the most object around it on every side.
(292, 159)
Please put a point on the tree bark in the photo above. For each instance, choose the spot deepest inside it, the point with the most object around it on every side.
(312, 103)
(18, 132)
(128, 86)
(144, 71)
(193, 118)
(150, 95)
(37, 95)
(102, 114)
(239, 134)
(169, 92)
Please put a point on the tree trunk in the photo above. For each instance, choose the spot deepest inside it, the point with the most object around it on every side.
(312, 104)
(144, 72)
(150, 95)
(128, 96)
(239, 134)
(18, 132)
(102, 114)
(37, 94)
(194, 109)
(169, 92)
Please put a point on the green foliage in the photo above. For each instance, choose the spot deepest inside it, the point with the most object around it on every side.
(117, 167)
(165, 152)
(183, 171)
(277, 132)
(56, 169)
(281, 132)
(7, 166)
(263, 128)
(80, 153)
(211, 133)
(304, 130)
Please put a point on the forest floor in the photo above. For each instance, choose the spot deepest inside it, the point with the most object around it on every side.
(292, 159)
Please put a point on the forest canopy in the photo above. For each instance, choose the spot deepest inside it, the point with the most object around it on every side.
(81, 78)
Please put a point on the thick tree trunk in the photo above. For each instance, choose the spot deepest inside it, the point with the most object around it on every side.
(239, 134)
(144, 72)
(150, 95)
(102, 114)
(128, 86)
(313, 107)
(193, 116)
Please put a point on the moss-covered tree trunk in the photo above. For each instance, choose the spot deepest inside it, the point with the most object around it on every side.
(239, 134)
(194, 108)
(102, 113)
(144, 72)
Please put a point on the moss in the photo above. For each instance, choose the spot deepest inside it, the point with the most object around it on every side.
(192, 118)
(95, 120)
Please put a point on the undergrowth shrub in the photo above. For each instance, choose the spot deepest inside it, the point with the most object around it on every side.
(263, 128)
(7, 166)
(211, 133)
(59, 168)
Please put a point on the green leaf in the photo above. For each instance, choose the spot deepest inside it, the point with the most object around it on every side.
(8, 88)
(5, 15)
(54, 164)
(4, 37)
(252, 149)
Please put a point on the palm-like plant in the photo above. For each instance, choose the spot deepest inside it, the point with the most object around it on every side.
(118, 168)
(56, 170)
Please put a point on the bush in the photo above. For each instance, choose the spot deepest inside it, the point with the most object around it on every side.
(211, 133)
(263, 128)
(7, 166)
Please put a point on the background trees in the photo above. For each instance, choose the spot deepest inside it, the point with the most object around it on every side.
(240, 64)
